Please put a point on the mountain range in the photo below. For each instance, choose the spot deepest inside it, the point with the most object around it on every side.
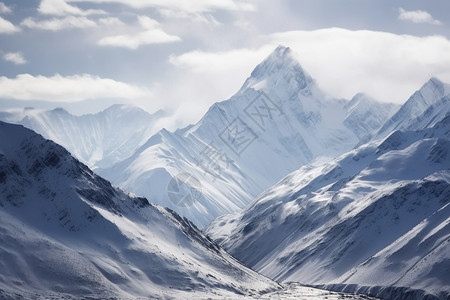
(374, 220)
(277, 122)
(98, 140)
(349, 195)
(66, 232)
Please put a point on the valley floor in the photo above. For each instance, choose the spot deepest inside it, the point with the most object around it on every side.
(289, 291)
(300, 292)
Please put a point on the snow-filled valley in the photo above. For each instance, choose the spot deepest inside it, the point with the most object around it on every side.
(280, 192)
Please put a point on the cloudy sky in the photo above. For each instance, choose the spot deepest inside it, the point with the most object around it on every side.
(183, 56)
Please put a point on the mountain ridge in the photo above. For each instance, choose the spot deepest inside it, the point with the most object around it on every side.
(67, 231)
(99, 139)
(430, 93)
(347, 225)
(279, 120)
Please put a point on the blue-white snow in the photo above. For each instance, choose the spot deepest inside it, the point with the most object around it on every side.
(98, 140)
(374, 220)
(347, 195)
(64, 230)
(67, 233)
(277, 122)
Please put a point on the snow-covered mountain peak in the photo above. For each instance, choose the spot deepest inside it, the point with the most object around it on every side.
(60, 110)
(99, 139)
(374, 113)
(442, 87)
(280, 59)
(429, 95)
(69, 232)
(359, 99)
(9, 137)
(375, 216)
(432, 89)
(123, 109)
(280, 70)
(278, 122)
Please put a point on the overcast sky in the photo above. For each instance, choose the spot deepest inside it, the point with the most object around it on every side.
(183, 56)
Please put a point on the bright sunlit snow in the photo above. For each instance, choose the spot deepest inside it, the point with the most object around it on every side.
(232, 149)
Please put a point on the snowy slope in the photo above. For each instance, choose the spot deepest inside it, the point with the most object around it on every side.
(278, 121)
(428, 95)
(362, 107)
(65, 232)
(375, 216)
(419, 258)
(100, 139)
(433, 114)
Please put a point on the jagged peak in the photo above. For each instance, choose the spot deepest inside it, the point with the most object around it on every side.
(428, 95)
(358, 99)
(280, 54)
(280, 68)
(121, 108)
(435, 84)
(362, 97)
(430, 92)
(129, 108)
(282, 48)
(282, 58)
(435, 81)
(59, 110)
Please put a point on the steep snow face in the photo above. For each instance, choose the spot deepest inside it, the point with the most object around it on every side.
(65, 231)
(99, 140)
(428, 95)
(279, 69)
(377, 215)
(432, 115)
(365, 115)
(419, 258)
(278, 121)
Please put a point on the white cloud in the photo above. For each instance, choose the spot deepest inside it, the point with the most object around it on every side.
(203, 78)
(152, 34)
(183, 5)
(110, 21)
(148, 23)
(155, 36)
(244, 24)
(196, 17)
(215, 62)
(7, 27)
(67, 89)
(5, 9)
(417, 16)
(56, 24)
(15, 57)
(61, 8)
(386, 66)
